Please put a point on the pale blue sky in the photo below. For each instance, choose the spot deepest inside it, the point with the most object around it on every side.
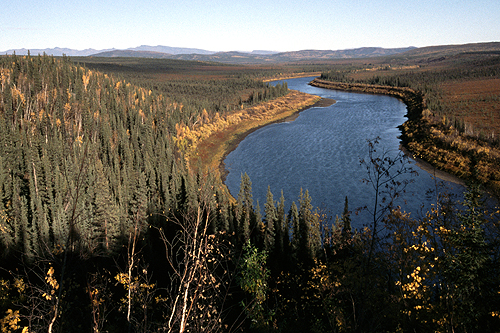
(228, 25)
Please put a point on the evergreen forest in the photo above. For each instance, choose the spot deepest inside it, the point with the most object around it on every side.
(105, 228)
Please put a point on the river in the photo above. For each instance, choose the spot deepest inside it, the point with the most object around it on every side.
(320, 151)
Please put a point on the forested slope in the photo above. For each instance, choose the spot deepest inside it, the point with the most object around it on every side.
(81, 155)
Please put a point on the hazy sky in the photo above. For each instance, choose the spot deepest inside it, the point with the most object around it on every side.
(226, 25)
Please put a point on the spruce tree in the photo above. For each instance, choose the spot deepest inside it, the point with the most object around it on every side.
(107, 222)
(7, 232)
(305, 221)
(271, 220)
(60, 227)
(138, 204)
(293, 222)
(282, 229)
(245, 208)
(257, 228)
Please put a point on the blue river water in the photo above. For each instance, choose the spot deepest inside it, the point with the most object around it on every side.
(320, 151)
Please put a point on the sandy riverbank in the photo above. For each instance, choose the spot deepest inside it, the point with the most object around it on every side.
(210, 151)
(323, 102)
(429, 168)
(292, 76)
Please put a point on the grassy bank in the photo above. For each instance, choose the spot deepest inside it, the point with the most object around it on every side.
(209, 143)
(413, 99)
(286, 76)
(435, 142)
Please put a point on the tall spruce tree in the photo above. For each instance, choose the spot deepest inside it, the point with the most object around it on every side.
(139, 204)
(257, 227)
(245, 208)
(282, 230)
(271, 220)
(107, 221)
(305, 223)
(294, 225)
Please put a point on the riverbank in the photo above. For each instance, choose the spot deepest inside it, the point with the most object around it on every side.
(435, 147)
(412, 98)
(222, 135)
(430, 169)
(292, 76)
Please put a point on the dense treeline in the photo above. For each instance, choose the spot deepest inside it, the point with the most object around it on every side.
(103, 228)
(215, 96)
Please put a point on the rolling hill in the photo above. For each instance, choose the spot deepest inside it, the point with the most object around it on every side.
(235, 57)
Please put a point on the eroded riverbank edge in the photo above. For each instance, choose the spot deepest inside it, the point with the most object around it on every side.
(432, 170)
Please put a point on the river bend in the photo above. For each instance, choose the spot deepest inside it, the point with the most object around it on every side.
(321, 150)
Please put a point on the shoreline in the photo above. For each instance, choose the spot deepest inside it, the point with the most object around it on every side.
(211, 150)
(432, 170)
(410, 98)
(323, 102)
(293, 76)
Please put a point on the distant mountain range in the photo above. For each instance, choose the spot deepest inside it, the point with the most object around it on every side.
(57, 51)
(449, 50)
(257, 56)
(170, 50)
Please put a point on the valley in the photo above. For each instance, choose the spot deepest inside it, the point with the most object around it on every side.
(114, 215)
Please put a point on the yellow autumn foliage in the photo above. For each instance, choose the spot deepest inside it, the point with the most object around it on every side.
(232, 125)
(10, 323)
(51, 281)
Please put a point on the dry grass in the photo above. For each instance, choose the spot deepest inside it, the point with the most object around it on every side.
(448, 150)
(477, 103)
